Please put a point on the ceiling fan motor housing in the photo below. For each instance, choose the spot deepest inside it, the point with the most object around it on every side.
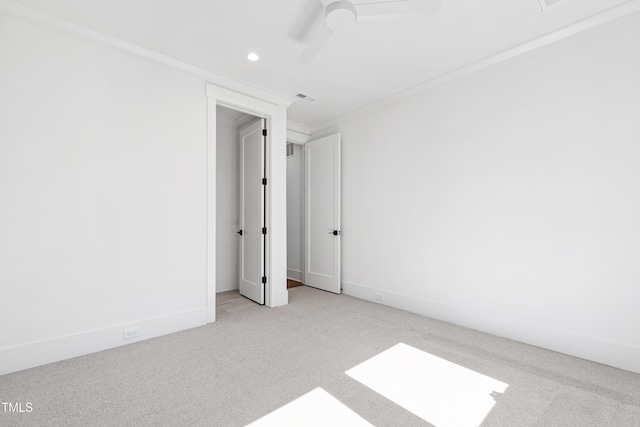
(340, 14)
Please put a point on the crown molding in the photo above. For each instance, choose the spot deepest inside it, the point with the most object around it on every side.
(298, 127)
(615, 15)
(297, 132)
(49, 21)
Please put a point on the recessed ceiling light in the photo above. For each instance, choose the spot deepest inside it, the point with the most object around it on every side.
(252, 56)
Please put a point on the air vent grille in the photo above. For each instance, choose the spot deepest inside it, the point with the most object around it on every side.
(305, 96)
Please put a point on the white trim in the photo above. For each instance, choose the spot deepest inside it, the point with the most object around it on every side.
(297, 137)
(281, 297)
(298, 133)
(276, 206)
(212, 124)
(49, 21)
(612, 16)
(29, 355)
(294, 274)
(249, 102)
(298, 127)
(614, 354)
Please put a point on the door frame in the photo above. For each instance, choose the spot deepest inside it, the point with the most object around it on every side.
(275, 113)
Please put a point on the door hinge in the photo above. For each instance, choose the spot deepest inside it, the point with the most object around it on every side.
(264, 132)
(264, 230)
(264, 181)
(264, 279)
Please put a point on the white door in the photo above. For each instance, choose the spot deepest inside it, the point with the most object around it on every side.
(322, 213)
(252, 212)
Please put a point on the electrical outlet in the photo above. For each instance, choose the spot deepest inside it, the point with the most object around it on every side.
(132, 333)
(379, 296)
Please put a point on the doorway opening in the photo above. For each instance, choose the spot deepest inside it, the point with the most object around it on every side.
(241, 194)
(313, 213)
(273, 110)
(295, 215)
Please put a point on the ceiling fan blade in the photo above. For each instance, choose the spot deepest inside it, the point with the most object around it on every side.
(308, 22)
(315, 44)
(390, 9)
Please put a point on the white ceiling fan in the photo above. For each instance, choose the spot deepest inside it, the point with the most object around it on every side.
(341, 13)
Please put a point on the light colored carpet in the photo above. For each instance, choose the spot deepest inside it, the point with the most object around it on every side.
(252, 362)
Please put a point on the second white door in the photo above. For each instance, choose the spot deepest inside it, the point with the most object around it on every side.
(322, 213)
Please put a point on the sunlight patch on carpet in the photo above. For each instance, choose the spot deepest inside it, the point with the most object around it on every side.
(314, 409)
(436, 390)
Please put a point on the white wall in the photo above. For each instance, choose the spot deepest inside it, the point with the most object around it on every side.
(295, 220)
(508, 201)
(102, 193)
(227, 200)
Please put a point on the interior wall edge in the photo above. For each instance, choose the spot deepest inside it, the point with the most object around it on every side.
(617, 355)
(30, 355)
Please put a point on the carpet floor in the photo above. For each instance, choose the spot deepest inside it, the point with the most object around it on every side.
(246, 365)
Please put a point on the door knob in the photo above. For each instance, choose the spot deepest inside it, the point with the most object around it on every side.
(240, 232)
(335, 232)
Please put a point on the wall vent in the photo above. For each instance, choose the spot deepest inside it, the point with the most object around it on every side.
(305, 96)
(290, 152)
(546, 3)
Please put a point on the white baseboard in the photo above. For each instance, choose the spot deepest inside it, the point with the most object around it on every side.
(17, 358)
(294, 274)
(618, 355)
(224, 285)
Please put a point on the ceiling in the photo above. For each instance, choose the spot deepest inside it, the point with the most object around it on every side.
(359, 65)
